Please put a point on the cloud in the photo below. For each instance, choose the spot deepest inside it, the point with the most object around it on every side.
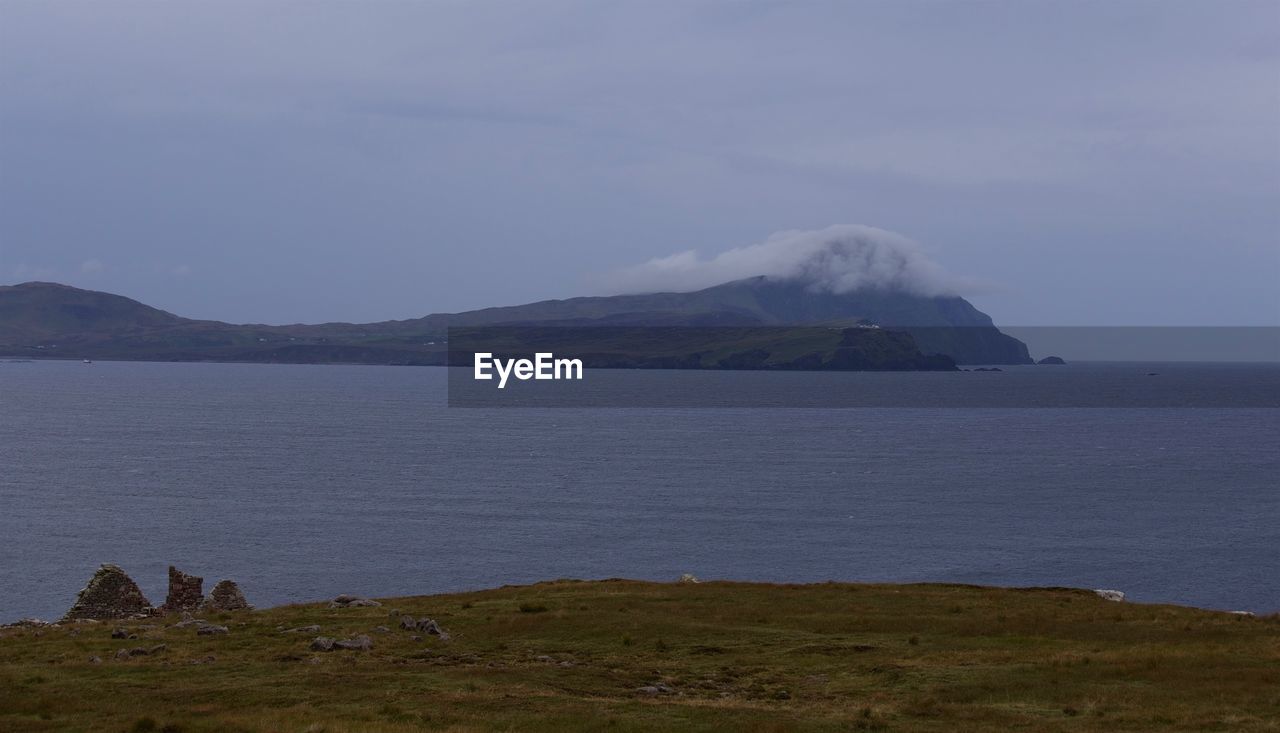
(25, 273)
(838, 259)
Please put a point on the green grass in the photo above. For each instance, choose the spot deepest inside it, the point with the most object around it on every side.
(735, 656)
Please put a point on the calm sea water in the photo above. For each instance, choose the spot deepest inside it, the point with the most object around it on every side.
(302, 482)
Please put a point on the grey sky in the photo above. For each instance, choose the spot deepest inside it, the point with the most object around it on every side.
(1090, 162)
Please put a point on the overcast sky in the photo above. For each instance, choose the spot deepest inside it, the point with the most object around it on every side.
(1084, 163)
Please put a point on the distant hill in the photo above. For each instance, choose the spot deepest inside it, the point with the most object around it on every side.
(48, 319)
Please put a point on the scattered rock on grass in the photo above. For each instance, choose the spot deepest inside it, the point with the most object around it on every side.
(429, 626)
(211, 630)
(1110, 595)
(359, 643)
(325, 644)
(347, 600)
(689, 578)
(303, 630)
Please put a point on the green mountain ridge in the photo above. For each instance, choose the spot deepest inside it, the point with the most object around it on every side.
(53, 320)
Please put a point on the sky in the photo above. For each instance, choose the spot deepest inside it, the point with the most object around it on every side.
(1066, 162)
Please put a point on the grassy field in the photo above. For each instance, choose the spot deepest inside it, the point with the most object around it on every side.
(626, 656)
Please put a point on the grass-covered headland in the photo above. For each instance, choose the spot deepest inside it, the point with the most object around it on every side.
(624, 655)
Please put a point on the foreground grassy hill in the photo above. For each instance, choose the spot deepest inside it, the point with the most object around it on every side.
(627, 656)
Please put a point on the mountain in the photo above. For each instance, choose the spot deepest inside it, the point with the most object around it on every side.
(49, 319)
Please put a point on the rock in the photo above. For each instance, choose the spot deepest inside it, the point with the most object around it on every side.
(1055, 360)
(211, 630)
(359, 643)
(655, 690)
(349, 601)
(190, 622)
(325, 644)
(429, 626)
(122, 654)
(408, 623)
(109, 594)
(186, 592)
(688, 578)
(226, 596)
(1246, 614)
(158, 648)
(137, 652)
(29, 621)
(119, 634)
(381, 630)
(303, 630)
(1110, 595)
(95, 660)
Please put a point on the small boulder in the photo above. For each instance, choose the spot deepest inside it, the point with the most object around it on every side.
(1110, 595)
(212, 630)
(408, 623)
(688, 578)
(119, 634)
(360, 643)
(429, 626)
(347, 600)
(303, 630)
(325, 644)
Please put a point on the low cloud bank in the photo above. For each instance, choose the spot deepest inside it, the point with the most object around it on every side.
(838, 259)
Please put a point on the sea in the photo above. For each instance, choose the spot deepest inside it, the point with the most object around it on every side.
(300, 482)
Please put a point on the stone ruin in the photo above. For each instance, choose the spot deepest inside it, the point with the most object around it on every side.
(226, 596)
(110, 594)
(186, 592)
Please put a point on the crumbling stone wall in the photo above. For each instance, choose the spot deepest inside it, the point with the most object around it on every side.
(226, 596)
(186, 592)
(110, 594)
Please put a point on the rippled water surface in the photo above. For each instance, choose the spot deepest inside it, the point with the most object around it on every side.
(301, 482)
